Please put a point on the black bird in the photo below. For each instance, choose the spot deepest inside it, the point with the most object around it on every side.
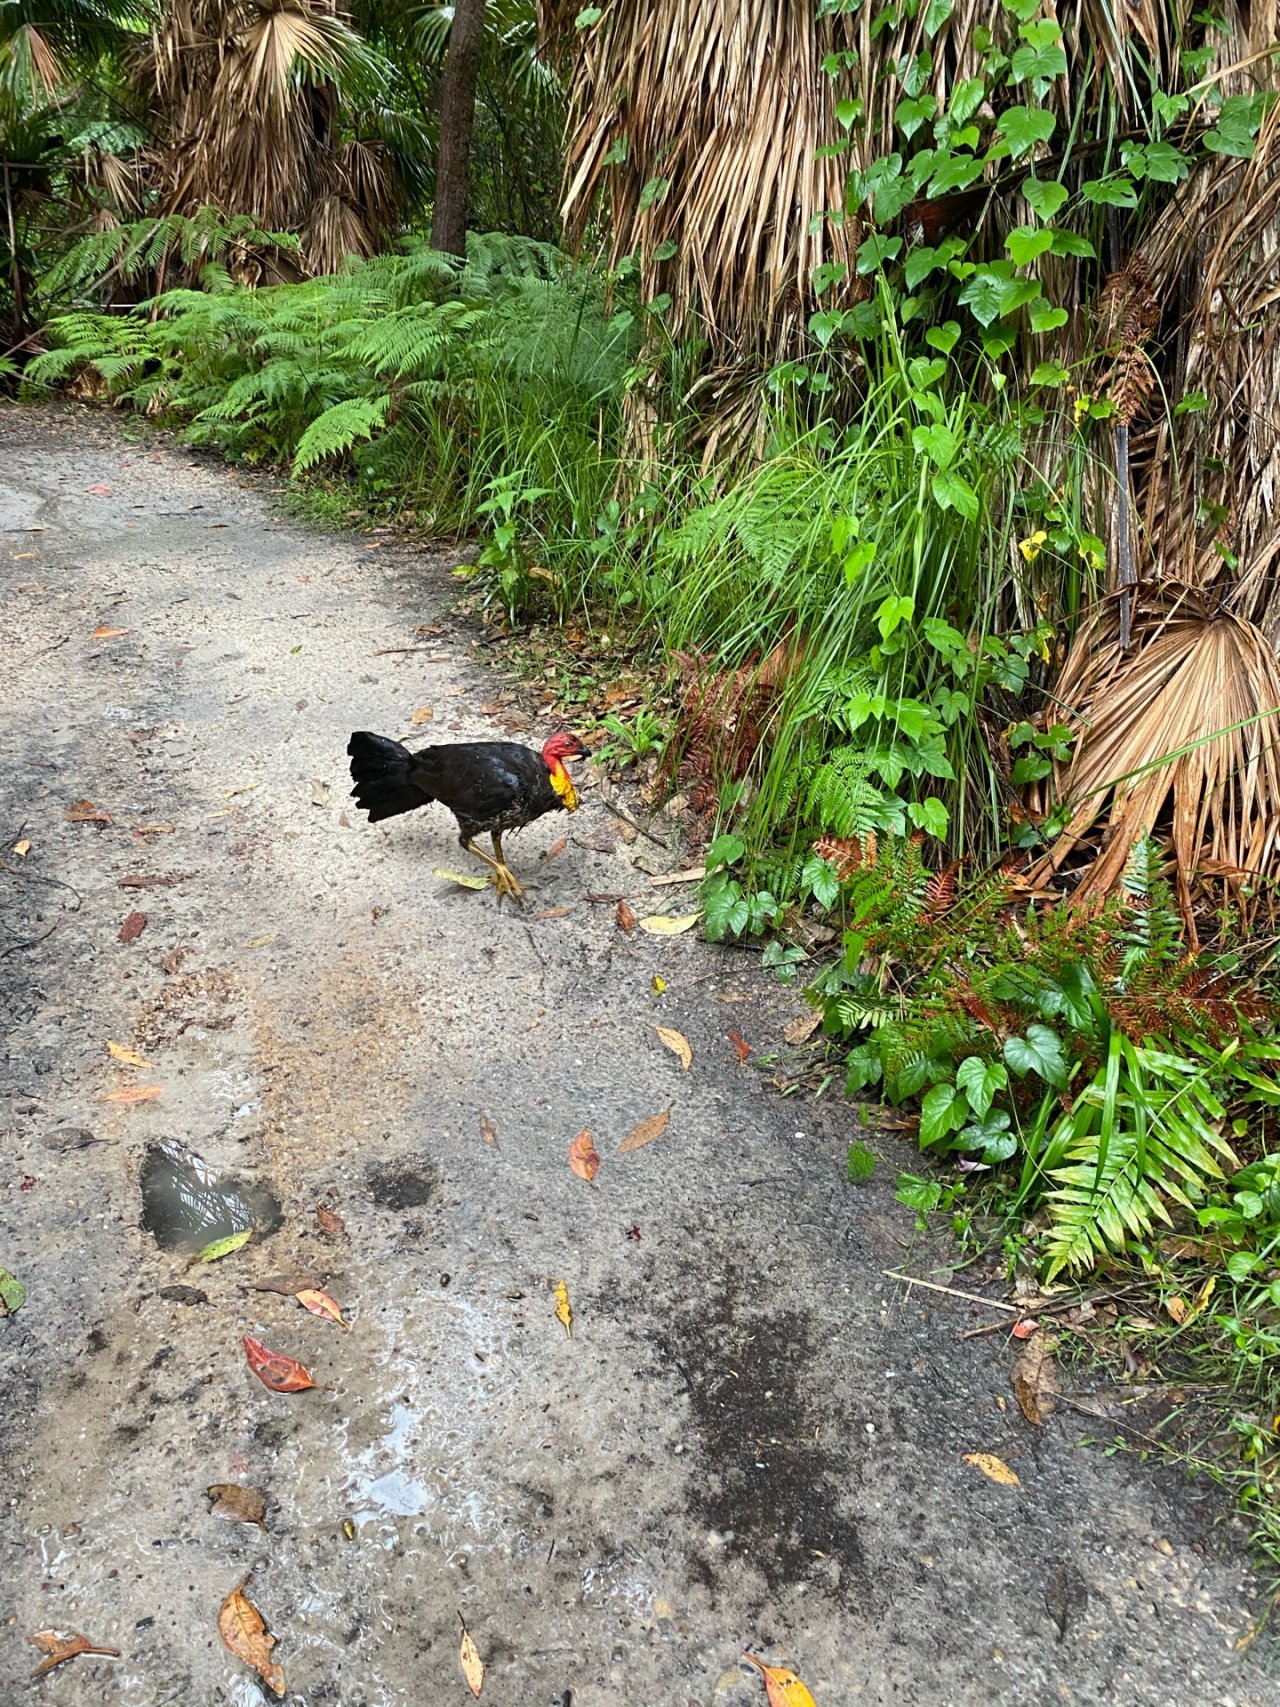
(489, 786)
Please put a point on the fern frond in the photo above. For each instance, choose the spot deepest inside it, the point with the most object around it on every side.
(339, 428)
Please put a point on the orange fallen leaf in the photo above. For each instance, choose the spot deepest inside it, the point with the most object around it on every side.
(1024, 1329)
(646, 1131)
(994, 1467)
(424, 714)
(783, 1687)
(59, 1648)
(553, 913)
(1177, 1307)
(108, 633)
(98, 491)
(488, 1131)
(329, 1221)
(133, 1093)
(241, 1627)
(280, 1373)
(237, 1504)
(625, 917)
(133, 927)
(85, 812)
(564, 1310)
(470, 1661)
(129, 1057)
(677, 1043)
(22, 848)
(320, 1304)
(583, 1158)
(741, 1048)
(556, 848)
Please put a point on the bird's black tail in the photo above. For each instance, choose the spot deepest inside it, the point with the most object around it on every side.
(380, 770)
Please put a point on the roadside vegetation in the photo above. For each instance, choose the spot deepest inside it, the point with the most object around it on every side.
(913, 436)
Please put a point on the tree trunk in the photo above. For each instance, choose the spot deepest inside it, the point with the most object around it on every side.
(457, 117)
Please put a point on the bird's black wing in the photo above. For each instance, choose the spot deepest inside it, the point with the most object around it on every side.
(479, 780)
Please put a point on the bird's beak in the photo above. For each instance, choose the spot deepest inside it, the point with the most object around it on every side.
(582, 752)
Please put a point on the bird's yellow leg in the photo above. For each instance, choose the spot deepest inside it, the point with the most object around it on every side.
(508, 883)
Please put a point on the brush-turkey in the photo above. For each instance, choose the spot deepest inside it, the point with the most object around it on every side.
(489, 786)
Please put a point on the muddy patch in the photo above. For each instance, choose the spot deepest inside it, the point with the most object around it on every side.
(186, 1205)
(405, 1182)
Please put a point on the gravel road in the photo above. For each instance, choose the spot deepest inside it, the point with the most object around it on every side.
(753, 1438)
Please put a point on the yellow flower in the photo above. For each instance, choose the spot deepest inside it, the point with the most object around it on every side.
(1030, 547)
(1081, 406)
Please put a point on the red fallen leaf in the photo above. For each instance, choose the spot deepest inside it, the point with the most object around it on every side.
(1024, 1329)
(133, 927)
(741, 1047)
(556, 849)
(60, 1648)
(98, 491)
(583, 1158)
(281, 1374)
(329, 1221)
(625, 917)
(85, 812)
(633, 1232)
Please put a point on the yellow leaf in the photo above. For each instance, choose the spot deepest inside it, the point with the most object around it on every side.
(472, 1664)
(658, 982)
(1202, 1298)
(423, 714)
(994, 1467)
(677, 1043)
(564, 1310)
(783, 1687)
(241, 1627)
(262, 941)
(464, 879)
(646, 1131)
(660, 924)
(320, 1304)
(129, 1057)
(22, 848)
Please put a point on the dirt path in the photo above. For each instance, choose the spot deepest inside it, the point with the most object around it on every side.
(753, 1439)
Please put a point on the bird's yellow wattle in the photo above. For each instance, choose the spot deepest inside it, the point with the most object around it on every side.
(562, 782)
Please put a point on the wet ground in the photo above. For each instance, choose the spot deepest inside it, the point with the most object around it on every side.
(753, 1438)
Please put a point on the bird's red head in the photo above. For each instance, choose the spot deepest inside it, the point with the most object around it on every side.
(554, 753)
(561, 747)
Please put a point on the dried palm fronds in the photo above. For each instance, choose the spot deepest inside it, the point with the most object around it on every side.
(1200, 691)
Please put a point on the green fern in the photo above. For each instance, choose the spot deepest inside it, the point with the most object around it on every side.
(339, 428)
(844, 800)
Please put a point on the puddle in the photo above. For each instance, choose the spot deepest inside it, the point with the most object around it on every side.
(186, 1205)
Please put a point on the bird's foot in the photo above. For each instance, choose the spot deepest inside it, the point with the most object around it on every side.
(506, 883)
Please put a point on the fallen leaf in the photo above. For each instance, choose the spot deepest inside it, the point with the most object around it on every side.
(1034, 1379)
(464, 879)
(801, 1028)
(280, 1373)
(133, 927)
(553, 913)
(1024, 1329)
(660, 924)
(320, 1304)
(85, 812)
(108, 633)
(262, 941)
(13, 1294)
(488, 1131)
(329, 1221)
(1177, 1307)
(741, 1048)
(241, 1627)
(583, 1158)
(564, 1310)
(470, 1661)
(22, 848)
(98, 491)
(319, 793)
(173, 960)
(217, 1248)
(1066, 1595)
(288, 1285)
(646, 1131)
(994, 1467)
(783, 1687)
(59, 1648)
(149, 829)
(556, 848)
(129, 1057)
(237, 1504)
(423, 714)
(133, 1093)
(658, 983)
(1202, 1298)
(677, 1043)
(625, 917)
